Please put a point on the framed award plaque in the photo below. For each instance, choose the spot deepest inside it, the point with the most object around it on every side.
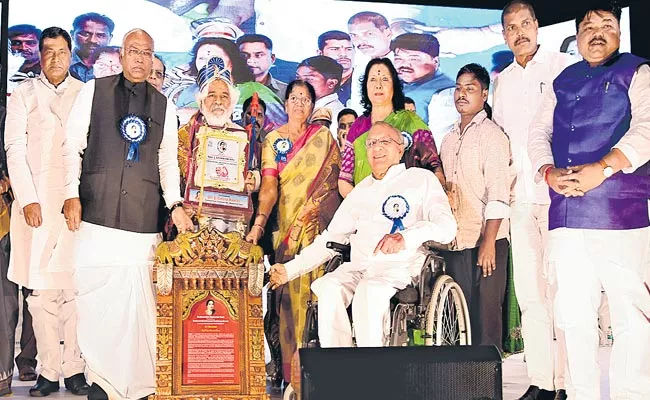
(216, 184)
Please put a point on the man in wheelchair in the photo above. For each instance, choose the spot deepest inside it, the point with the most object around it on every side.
(385, 219)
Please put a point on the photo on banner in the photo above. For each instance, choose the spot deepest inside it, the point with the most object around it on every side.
(268, 43)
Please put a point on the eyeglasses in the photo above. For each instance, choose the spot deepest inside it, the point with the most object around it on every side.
(135, 52)
(301, 100)
(109, 66)
(383, 142)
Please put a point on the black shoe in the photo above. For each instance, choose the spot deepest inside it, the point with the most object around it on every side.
(95, 392)
(560, 394)
(27, 373)
(77, 384)
(43, 387)
(535, 393)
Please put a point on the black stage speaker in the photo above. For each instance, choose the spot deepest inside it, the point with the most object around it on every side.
(409, 373)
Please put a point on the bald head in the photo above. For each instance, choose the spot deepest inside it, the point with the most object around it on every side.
(136, 33)
(137, 55)
(385, 147)
(380, 127)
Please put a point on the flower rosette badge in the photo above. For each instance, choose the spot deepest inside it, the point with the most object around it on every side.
(408, 140)
(395, 209)
(282, 147)
(134, 131)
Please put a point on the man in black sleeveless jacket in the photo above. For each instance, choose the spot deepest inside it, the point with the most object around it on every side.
(120, 151)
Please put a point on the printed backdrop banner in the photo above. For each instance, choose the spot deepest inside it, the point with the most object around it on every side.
(188, 32)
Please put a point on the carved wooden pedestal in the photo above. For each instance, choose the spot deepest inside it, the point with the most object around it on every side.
(210, 334)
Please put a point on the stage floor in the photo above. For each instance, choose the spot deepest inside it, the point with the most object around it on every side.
(515, 381)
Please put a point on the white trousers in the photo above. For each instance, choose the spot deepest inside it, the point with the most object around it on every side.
(117, 308)
(535, 286)
(369, 290)
(618, 261)
(51, 309)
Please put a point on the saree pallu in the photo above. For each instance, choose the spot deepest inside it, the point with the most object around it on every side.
(308, 197)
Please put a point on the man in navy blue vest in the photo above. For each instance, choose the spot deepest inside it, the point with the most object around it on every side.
(126, 131)
(591, 143)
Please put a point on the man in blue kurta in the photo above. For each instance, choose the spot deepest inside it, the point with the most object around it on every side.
(590, 142)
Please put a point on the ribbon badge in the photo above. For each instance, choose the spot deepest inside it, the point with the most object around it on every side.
(282, 147)
(408, 140)
(134, 131)
(395, 208)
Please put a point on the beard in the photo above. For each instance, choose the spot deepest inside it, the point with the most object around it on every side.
(217, 118)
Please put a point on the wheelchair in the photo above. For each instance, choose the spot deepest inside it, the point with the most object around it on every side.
(433, 306)
(431, 311)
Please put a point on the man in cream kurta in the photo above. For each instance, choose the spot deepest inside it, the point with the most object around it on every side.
(111, 209)
(518, 91)
(36, 116)
(382, 262)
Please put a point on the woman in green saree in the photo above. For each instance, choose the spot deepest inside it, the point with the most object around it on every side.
(300, 168)
(382, 97)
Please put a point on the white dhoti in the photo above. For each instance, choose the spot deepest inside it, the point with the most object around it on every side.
(369, 289)
(117, 307)
(619, 261)
(535, 286)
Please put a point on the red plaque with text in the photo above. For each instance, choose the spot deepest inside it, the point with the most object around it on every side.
(210, 344)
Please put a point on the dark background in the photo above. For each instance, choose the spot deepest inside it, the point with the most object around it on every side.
(548, 12)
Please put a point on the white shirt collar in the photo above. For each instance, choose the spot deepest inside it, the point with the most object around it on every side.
(540, 57)
(47, 83)
(392, 171)
(330, 98)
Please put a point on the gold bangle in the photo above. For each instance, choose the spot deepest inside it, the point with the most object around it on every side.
(259, 226)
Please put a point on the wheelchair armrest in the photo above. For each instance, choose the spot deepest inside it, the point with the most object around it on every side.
(436, 247)
(343, 249)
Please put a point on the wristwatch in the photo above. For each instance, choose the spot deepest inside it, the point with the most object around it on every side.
(607, 170)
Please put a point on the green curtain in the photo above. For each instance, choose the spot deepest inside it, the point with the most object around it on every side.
(512, 340)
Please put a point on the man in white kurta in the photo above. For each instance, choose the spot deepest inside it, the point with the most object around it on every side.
(37, 113)
(518, 91)
(112, 219)
(386, 253)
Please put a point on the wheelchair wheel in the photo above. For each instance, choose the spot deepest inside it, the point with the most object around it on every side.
(399, 335)
(452, 320)
(447, 322)
(289, 393)
(431, 311)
